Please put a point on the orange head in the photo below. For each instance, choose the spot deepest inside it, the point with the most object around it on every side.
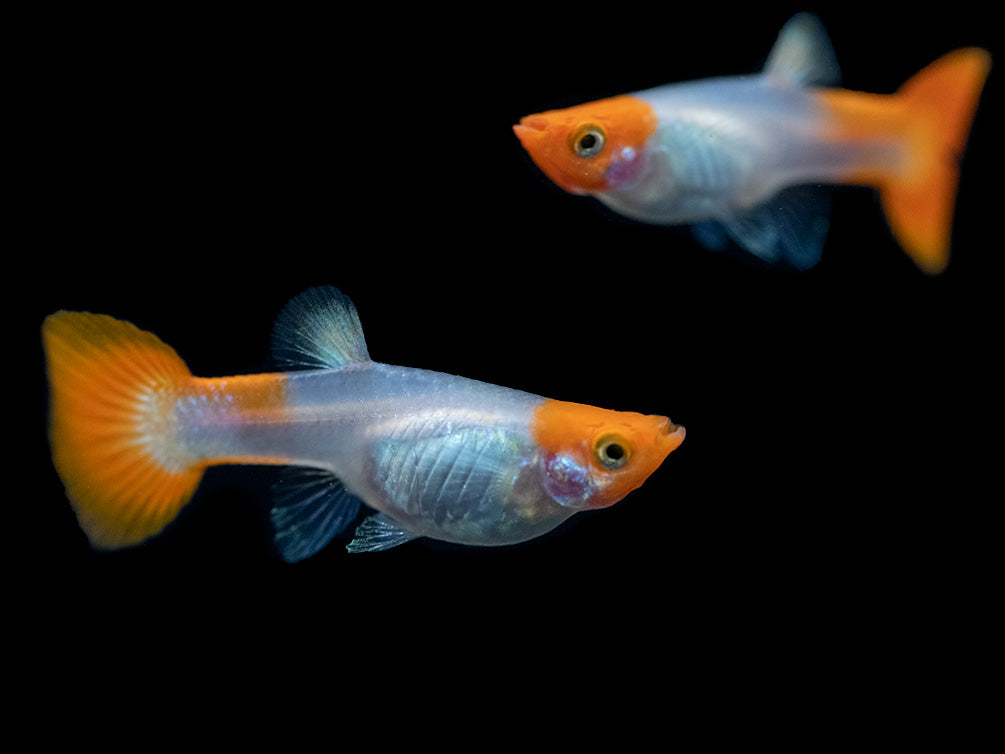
(591, 147)
(592, 457)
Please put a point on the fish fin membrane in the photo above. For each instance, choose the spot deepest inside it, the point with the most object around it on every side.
(790, 229)
(803, 55)
(112, 386)
(379, 532)
(941, 100)
(311, 508)
(319, 329)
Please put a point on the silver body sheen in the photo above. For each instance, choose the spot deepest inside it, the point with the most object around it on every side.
(444, 456)
(724, 146)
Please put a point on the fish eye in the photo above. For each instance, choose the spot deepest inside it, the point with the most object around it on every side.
(612, 452)
(588, 141)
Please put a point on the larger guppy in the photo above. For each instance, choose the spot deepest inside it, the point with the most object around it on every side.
(440, 456)
(743, 157)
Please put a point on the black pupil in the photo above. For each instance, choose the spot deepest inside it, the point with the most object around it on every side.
(615, 452)
(588, 142)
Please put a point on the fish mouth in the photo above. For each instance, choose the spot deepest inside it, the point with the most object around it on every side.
(534, 135)
(528, 134)
(672, 435)
(669, 427)
(522, 133)
(531, 124)
(531, 130)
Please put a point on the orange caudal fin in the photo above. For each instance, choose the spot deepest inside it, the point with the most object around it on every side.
(940, 101)
(112, 386)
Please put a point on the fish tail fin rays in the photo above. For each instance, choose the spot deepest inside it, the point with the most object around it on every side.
(940, 101)
(112, 387)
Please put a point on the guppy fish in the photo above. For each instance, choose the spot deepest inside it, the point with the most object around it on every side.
(132, 431)
(741, 157)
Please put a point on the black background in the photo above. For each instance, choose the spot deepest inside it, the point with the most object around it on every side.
(822, 521)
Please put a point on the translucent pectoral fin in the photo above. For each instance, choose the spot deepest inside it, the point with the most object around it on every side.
(379, 532)
(311, 507)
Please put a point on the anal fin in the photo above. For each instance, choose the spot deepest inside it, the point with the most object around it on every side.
(311, 507)
(790, 228)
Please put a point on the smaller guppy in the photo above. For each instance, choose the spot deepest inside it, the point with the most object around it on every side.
(132, 431)
(744, 157)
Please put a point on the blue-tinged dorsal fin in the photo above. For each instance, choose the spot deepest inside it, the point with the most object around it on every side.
(379, 532)
(310, 507)
(803, 55)
(319, 329)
